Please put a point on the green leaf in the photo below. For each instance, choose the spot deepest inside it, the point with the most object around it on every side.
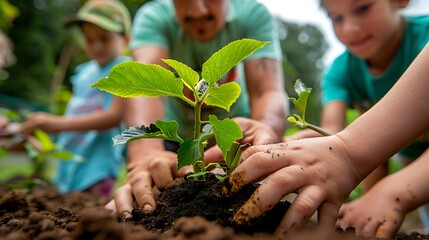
(134, 79)
(197, 175)
(62, 155)
(3, 153)
(31, 150)
(134, 133)
(226, 132)
(188, 153)
(226, 58)
(292, 119)
(45, 141)
(206, 133)
(224, 95)
(189, 77)
(233, 156)
(301, 102)
(169, 129)
(162, 129)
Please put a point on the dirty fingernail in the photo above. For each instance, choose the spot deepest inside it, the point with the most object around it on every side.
(241, 217)
(126, 216)
(147, 209)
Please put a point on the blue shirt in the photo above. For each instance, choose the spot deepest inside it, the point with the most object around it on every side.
(348, 79)
(101, 159)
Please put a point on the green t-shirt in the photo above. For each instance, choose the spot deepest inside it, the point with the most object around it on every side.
(348, 79)
(155, 24)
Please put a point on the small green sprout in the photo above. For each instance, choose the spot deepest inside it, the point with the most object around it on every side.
(40, 149)
(43, 149)
(3, 152)
(134, 79)
(301, 105)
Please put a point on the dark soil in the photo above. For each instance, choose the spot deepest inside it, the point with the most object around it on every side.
(45, 214)
(209, 199)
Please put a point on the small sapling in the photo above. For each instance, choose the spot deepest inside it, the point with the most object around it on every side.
(301, 105)
(134, 79)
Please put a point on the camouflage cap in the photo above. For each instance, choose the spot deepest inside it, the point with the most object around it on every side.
(110, 15)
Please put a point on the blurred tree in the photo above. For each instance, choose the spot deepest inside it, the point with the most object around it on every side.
(303, 47)
(46, 52)
(8, 12)
(38, 36)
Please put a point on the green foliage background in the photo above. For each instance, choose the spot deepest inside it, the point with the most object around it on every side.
(40, 40)
(303, 47)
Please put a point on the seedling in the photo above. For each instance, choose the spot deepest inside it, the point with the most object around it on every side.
(301, 105)
(40, 150)
(3, 152)
(133, 79)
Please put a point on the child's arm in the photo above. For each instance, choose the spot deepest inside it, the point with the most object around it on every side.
(95, 121)
(390, 199)
(324, 170)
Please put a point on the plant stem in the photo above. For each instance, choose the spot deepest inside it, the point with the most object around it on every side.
(198, 166)
(317, 129)
(197, 126)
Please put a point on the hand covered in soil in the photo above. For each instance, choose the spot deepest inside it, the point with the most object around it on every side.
(40, 120)
(378, 213)
(322, 176)
(254, 132)
(156, 169)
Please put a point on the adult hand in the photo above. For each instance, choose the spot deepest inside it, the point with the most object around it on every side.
(319, 170)
(378, 213)
(156, 169)
(254, 132)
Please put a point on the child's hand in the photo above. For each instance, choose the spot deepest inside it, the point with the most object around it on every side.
(378, 213)
(40, 120)
(322, 176)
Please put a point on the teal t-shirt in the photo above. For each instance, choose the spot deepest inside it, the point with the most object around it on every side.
(348, 79)
(155, 24)
(101, 159)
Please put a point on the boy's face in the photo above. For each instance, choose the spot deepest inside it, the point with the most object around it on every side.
(201, 19)
(366, 27)
(101, 45)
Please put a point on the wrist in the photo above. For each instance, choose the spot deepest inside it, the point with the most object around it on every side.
(137, 150)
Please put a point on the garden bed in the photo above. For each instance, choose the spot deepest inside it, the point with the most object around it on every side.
(45, 214)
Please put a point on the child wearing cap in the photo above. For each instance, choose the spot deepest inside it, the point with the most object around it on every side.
(92, 117)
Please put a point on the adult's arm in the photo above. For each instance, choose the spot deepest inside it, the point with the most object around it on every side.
(149, 164)
(144, 111)
(268, 99)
